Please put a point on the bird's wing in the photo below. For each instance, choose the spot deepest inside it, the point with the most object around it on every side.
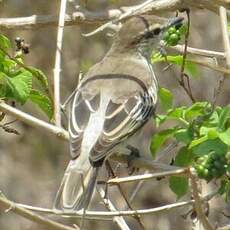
(122, 120)
(80, 113)
(122, 117)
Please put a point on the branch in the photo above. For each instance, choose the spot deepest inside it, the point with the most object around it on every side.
(9, 206)
(209, 65)
(198, 202)
(33, 121)
(224, 29)
(147, 176)
(83, 16)
(109, 205)
(227, 227)
(149, 211)
(199, 52)
(57, 67)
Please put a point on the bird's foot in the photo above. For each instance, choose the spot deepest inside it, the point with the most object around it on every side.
(134, 153)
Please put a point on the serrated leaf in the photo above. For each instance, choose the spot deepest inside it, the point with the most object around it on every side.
(224, 117)
(184, 157)
(42, 101)
(4, 42)
(225, 136)
(20, 86)
(209, 145)
(41, 77)
(159, 139)
(166, 98)
(179, 185)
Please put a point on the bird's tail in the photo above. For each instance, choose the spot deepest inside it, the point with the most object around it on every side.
(76, 188)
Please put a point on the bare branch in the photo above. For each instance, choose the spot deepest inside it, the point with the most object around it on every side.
(224, 28)
(198, 202)
(82, 16)
(209, 65)
(9, 206)
(147, 176)
(57, 67)
(199, 52)
(109, 205)
(33, 121)
(227, 227)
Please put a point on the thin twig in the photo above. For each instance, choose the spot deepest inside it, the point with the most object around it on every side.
(9, 206)
(102, 214)
(182, 74)
(227, 227)
(134, 212)
(109, 205)
(57, 67)
(199, 52)
(124, 196)
(147, 176)
(198, 202)
(33, 121)
(225, 36)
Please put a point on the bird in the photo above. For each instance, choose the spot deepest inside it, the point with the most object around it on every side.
(115, 99)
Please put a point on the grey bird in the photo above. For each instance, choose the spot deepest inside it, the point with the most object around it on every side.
(114, 100)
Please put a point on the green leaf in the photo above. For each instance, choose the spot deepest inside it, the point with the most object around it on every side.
(225, 136)
(198, 141)
(159, 139)
(166, 98)
(42, 101)
(184, 157)
(209, 145)
(197, 109)
(172, 114)
(190, 68)
(20, 86)
(184, 135)
(4, 42)
(183, 29)
(41, 77)
(179, 185)
(224, 117)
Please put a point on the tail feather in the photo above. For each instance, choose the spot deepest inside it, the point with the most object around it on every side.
(76, 188)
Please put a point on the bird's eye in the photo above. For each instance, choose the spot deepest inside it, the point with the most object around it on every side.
(157, 31)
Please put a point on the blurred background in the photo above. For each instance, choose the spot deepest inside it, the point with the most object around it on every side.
(32, 164)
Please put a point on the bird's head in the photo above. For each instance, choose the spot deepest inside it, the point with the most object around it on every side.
(143, 32)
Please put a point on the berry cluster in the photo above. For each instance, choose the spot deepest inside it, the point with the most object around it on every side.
(212, 165)
(172, 36)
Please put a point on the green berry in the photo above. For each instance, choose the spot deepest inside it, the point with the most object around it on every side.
(214, 172)
(166, 36)
(217, 164)
(171, 30)
(212, 134)
(173, 39)
(206, 172)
